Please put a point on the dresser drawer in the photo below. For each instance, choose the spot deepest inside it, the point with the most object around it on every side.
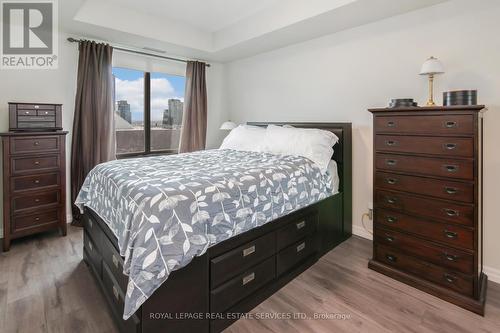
(440, 255)
(446, 189)
(450, 279)
(296, 230)
(295, 254)
(459, 169)
(425, 124)
(234, 262)
(27, 165)
(93, 254)
(242, 286)
(23, 222)
(113, 260)
(442, 146)
(36, 201)
(442, 210)
(23, 145)
(449, 234)
(35, 107)
(41, 181)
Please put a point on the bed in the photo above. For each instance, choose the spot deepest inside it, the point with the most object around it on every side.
(235, 243)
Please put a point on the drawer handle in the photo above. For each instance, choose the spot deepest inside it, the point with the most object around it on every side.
(391, 181)
(391, 124)
(388, 238)
(248, 251)
(391, 201)
(391, 257)
(450, 146)
(451, 168)
(36, 163)
(36, 181)
(115, 261)
(450, 124)
(301, 225)
(247, 279)
(301, 247)
(391, 143)
(115, 293)
(450, 278)
(451, 190)
(451, 257)
(46, 112)
(37, 107)
(26, 112)
(450, 234)
(37, 219)
(391, 219)
(451, 212)
(390, 162)
(37, 200)
(36, 143)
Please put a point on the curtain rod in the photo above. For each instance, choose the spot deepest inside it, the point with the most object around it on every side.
(74, 40)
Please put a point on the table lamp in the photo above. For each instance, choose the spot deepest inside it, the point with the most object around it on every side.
(431, 67)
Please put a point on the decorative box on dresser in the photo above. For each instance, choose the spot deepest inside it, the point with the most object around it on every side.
(428, 201)
(34, 183)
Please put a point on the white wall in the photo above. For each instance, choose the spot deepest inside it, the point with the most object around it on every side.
(337, 77)
(59, 86)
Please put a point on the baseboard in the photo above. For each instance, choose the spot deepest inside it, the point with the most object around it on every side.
(69, 218)
(361, 232)
(493, 274)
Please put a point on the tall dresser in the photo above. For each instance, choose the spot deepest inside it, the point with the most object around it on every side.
(427, 201)
(34, 183)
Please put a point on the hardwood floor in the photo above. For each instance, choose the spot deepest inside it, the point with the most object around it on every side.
(46, 287)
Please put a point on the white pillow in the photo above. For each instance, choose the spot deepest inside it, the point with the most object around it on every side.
(315, 144)
(246, 138)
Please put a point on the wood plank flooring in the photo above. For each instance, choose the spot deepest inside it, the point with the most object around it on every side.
(46, 287)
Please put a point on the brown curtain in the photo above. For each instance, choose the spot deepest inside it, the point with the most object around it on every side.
(194, 119)
(93, 137)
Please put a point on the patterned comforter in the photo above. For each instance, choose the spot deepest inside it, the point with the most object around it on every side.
(164, 210)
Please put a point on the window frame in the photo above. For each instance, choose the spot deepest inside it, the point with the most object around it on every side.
(147, 125)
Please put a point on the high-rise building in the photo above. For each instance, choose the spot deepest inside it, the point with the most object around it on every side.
(123, 110)
(172, 117)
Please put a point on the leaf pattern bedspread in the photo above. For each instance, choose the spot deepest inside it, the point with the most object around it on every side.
(164, 210)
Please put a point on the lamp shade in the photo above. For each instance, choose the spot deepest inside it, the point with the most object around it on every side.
(228, 125)
(432, 66)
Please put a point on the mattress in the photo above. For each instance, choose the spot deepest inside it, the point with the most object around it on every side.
(165, 210)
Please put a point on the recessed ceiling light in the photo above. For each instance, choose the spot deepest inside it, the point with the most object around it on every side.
(154, 50)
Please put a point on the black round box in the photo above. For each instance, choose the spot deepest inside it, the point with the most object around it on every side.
(460, 97)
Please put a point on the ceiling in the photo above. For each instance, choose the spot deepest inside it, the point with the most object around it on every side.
(222, 30)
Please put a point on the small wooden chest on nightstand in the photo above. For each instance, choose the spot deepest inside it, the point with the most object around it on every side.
(427, 199)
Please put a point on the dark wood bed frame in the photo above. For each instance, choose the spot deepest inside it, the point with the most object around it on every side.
(236, 275)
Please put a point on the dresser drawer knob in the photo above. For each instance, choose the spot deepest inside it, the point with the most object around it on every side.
(37, 200)
(451, 168)
(248, 251)
(36, 162)
(116, 262)
(388, 238)
(451, 257)
(37, 219)
(391, 124)
(247, 279)
(46, 112)
(390, 162)
(451, 190)
(391, 219)
(391, 181)
(26, 112)
(37, 106)
(301, 225)
(36, 181)
(449, 278)
(115, 293)
(450, 124)
(391, 143)
(450, 146)
(451, 212)
(36, 143)
(301, 247)
(450, 234)
(390, 257)
(391, 201)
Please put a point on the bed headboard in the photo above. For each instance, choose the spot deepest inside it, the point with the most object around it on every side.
(342, 151)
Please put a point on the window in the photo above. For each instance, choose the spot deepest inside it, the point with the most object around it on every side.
(148, 112)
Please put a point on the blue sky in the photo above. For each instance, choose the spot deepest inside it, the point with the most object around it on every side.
(130, 87)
